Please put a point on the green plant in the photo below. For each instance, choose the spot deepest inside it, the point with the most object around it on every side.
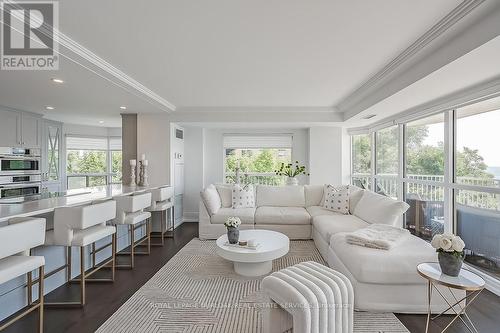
(291, 170)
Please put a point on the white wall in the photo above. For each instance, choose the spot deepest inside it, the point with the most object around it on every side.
(194, 162)
(326, 151)
(204, 158)
(153, 139)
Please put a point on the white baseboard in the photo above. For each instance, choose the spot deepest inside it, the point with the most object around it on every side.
(190, 217)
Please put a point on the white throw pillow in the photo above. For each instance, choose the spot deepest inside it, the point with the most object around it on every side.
(376, 208)
(211, 199)
(243, 197)
(337, 199)
(226, 194)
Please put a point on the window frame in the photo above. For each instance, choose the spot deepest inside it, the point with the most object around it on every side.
(449, 184)
(108, 174)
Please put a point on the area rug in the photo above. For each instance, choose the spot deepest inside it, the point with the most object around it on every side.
(197, 291)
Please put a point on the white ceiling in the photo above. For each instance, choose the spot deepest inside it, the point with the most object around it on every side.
(479, 65)
(227, 55)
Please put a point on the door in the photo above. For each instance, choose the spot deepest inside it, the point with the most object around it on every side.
(10, 126)
(51, 156)
(30, 131)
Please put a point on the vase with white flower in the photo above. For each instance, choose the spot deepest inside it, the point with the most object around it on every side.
(450, 249)
(233, 233)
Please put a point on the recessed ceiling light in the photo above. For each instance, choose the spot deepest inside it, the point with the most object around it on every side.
(49, 108)
(101, 121)
(55, 80)
(123, 107)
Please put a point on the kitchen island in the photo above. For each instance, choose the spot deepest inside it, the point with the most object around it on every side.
(13, 293)
(70, 198)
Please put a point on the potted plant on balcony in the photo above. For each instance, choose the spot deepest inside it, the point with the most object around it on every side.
(233, 233)
(291, 171)
(450, 249)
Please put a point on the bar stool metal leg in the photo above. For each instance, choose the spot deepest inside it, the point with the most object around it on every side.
(40, 298)
(82, 275)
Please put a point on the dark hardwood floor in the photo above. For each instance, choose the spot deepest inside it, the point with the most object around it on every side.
(104, 299)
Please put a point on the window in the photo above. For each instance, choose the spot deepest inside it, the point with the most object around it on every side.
(387, 161)
(450, 176)
(477, 153)
(387, 147)
(92, 161)
(425, 148)
(477, 167)
(361, 149)
(257, 158)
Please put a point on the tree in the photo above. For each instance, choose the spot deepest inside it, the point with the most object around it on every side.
(471, 164)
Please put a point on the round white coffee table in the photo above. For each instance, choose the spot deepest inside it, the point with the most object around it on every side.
(248, 262)
(466, 280)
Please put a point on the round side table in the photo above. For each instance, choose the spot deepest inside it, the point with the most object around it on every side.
(472, 283)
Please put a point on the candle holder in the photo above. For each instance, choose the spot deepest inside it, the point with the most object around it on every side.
(132, 173)
(143, 173)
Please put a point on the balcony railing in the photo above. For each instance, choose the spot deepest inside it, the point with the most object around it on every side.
(256, 178)
(75, 181)
(477, 212)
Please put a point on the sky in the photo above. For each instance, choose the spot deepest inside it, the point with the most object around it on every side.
(481, 131)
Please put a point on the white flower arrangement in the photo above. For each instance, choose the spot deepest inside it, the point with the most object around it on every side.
(233, 222)
(448, 243)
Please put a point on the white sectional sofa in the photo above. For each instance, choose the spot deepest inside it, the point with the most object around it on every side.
(383, 280)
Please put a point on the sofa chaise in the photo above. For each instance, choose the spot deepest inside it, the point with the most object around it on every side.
(383, 280)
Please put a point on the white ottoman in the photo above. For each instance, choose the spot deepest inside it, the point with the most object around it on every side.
(311, 298)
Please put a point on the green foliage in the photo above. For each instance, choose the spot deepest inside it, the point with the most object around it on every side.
(82, 162)
(471, 164)
(291, 170)
(362, 152)
(256, 160)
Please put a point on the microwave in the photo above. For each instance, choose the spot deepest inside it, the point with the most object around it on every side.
(19, 190)
(19, 165)
(19, 161)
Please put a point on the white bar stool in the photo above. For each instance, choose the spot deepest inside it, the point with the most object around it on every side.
(130, 212)
(17, 239)
(81, 226)
(162, 202)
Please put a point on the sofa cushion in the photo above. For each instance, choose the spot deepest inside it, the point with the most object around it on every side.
(395, 266)
(337, 199)
(280, 196)
(355, 194)
(246, 215)
(282, 215)
(211, 199)
(225, 193)
(319, 210)
(328, 225)
(243, 196)
(314, 195)
(376, 208)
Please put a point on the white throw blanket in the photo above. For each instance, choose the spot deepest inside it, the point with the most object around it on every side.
(377, 236)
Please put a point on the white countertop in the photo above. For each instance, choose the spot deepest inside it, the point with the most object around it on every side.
(42, 206)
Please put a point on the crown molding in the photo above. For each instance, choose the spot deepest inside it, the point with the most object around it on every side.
(102, 67)
(292, 109)
(470, 95)
(353, 102)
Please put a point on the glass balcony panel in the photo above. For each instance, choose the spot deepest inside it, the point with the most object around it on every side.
(425, 217)
(478, 223)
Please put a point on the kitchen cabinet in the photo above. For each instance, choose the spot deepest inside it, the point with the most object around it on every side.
(10, 128)
(30, 130)
(20, 129)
